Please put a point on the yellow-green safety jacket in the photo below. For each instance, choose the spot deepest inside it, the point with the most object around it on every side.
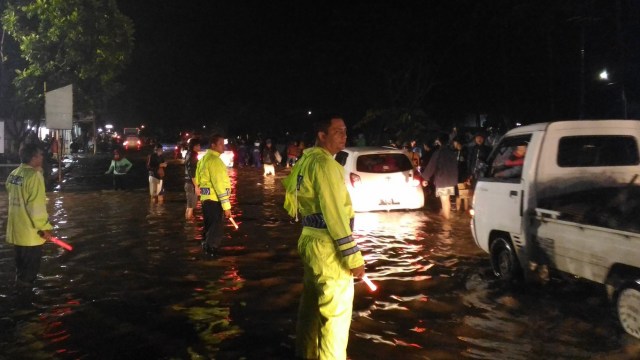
(27, 207)
(323, 201)
(213, 180)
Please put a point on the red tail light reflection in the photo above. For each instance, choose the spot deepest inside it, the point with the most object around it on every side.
(355, 179)
(417, 179)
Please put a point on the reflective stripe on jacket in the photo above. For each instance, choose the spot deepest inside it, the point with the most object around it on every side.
(27, 207)
(213, 180)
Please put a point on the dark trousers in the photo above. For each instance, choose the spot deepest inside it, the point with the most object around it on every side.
(119, 182)
(27, 262)
(213, 223)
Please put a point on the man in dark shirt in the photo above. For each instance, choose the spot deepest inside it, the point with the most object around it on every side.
(477, 155)
(190, 188)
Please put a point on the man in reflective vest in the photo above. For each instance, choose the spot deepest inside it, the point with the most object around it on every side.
(215, 188)
(27, 214)
(331, 257)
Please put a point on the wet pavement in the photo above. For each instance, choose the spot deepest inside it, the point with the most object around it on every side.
(137, 286)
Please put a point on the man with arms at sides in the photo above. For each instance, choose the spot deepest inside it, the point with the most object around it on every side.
(330, 256)
(27, 214)
(215, 190)
(190, 166)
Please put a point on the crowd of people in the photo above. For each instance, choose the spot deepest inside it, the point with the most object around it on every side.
(267, 152)
(450, 166)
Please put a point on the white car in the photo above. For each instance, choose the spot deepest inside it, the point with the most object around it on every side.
(227, 156)
(380, 178)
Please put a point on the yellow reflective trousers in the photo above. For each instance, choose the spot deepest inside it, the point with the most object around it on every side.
(324, 315)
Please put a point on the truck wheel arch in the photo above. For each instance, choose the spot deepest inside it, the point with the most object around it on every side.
(619, 276)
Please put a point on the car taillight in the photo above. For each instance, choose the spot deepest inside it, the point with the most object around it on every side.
(138, 142)
(355, 179)
(417, 179)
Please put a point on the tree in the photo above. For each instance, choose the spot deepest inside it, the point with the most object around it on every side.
(86, 43)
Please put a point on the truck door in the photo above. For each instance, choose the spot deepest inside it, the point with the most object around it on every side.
(498, 196)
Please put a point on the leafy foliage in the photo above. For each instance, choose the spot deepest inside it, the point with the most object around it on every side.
(86, 43)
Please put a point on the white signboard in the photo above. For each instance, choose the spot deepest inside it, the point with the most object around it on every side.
(1, 137)
(58, 108)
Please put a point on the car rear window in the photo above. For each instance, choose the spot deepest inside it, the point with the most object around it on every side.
(597, 150)
(383, 163)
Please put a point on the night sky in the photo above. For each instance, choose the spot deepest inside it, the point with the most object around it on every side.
(261, 65)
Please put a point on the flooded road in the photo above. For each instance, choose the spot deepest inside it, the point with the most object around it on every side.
(136, 285)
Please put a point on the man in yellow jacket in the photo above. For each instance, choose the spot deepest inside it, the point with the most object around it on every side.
(331, 257)
(27, 214)
(215, 189)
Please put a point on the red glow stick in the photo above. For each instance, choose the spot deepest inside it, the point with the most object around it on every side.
(61, 243)
(233, 222)
(56, 241)
(369, 283)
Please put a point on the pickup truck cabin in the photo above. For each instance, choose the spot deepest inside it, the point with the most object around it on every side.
(566, 195)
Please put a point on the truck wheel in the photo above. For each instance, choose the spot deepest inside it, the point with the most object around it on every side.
(628, 307)
(504, 260)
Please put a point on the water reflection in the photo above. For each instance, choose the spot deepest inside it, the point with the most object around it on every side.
(136, 283)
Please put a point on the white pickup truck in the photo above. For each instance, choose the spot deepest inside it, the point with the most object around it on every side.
(566, 196)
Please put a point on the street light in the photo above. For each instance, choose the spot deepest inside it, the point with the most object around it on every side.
(604, 76)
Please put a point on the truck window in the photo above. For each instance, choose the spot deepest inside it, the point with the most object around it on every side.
(597, 150)
(506, 162)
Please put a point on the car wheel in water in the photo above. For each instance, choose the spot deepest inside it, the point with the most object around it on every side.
(504, 261)
(628, 308)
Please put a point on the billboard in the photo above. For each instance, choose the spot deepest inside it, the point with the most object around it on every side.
(58, 108)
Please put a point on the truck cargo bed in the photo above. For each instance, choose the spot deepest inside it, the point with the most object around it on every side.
(610, 207)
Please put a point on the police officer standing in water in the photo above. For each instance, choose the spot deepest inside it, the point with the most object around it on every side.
(28, 223)
(330, 256)
(215, 190)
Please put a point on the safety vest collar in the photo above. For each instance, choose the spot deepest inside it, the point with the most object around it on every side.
(318, 149)
(209, 151)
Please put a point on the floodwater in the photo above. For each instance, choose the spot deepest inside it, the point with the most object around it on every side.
(137, 286)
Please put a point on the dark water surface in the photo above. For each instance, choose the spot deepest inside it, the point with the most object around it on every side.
(137, 286)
